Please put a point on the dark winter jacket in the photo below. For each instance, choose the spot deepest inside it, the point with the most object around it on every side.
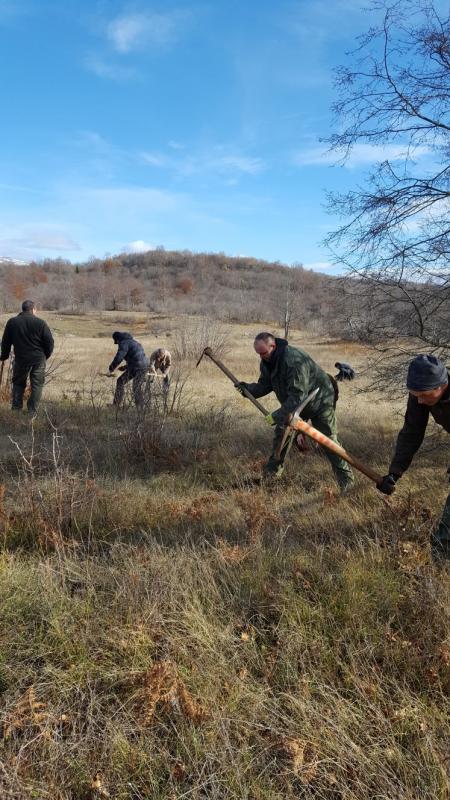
(30, 336)
(345, 370)
(416, 420)
(130, 350)
(292, 375)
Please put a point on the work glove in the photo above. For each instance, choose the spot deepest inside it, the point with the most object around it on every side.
(270, 420)
(240, 387)
(387, 484)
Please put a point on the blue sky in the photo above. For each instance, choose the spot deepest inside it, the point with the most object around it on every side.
(189, 125)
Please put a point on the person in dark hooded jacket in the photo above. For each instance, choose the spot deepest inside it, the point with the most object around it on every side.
(346, 372)
(292, 374)
(132, 352)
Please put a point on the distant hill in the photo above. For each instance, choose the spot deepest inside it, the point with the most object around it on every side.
(163, 281)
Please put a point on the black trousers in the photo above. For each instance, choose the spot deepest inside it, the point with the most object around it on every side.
(139, 378)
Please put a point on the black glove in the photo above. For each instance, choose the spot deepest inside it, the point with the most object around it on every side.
(240, 387)
(387, 484)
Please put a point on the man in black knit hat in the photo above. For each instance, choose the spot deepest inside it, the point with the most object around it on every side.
(429, 393)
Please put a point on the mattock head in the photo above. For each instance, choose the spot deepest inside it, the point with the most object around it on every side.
(296, 415)
(206, 352)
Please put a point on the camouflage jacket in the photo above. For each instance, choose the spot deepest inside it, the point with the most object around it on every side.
(411, 435)
(292, 375)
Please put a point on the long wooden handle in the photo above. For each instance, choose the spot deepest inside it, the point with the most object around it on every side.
(320, 438)
(304, 427)
(208, 352)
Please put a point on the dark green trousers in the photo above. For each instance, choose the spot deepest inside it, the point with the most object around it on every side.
(440, 538)
(21, 371)
(325, 422)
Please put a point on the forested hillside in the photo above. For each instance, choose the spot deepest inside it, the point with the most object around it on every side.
(228, 288)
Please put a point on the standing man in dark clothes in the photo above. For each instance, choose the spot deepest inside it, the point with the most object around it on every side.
(429, 393)
(293, 375)
(33, 344)
(346, 372)
(136, 370)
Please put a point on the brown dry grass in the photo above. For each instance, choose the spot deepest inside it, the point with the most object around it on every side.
(169, 630)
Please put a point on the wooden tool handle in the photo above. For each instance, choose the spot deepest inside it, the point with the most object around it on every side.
(208, 352)
(320, 438)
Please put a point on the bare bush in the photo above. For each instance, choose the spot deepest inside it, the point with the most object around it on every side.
(193, 336)
(52, 494)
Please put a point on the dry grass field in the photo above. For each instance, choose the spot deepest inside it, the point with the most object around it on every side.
(171, 629)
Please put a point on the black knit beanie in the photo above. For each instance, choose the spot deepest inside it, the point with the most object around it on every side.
(425, 373)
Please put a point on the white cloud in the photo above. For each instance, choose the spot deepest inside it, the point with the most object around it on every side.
(217, 161)
(48, 239)
(360, 155)
(106, 69)
(139, 246)
(156, 159)
(134, 31)
(236, 163)
(92, 139)
(27, 239)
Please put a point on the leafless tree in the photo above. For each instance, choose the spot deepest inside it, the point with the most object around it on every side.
(395, 236)
(291, 291)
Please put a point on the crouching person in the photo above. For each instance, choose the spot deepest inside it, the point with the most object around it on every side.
(345, 373)
(429, 393)
(132, 352)
(161, 360)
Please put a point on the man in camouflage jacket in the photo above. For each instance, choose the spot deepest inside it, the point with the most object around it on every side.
(293, 375)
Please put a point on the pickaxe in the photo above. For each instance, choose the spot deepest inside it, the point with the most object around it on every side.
(208, 352)
(288, 432)
(291, 432)
(295, 423)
